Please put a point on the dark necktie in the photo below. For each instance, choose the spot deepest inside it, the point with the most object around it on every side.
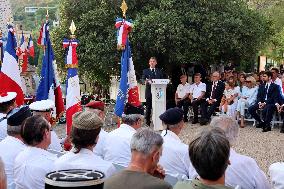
(266, 88)
(153, 73)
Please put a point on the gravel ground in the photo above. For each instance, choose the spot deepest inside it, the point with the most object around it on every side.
(265, 148)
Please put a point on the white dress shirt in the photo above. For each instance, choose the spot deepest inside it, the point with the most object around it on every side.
(3, 127)
(31, 166)
(55, 142)
(175, 158)
(196, 90)
(117, 148)
(182, 90)
(84, 159)
(10, 147)
(245, 172)
(99, 148)
(276, 172)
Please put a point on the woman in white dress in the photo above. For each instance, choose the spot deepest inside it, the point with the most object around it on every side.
(247, 98)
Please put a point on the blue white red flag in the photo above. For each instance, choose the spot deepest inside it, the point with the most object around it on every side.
(1, 51)
(49, 86)
(73, 97)
(31, 47)
(10, 73)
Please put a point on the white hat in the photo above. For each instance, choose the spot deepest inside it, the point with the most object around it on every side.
(42, 105)
(6, 97)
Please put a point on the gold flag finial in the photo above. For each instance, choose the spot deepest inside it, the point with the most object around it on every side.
(124, 8)
(72, 29)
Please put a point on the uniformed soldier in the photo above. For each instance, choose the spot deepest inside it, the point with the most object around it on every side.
(34, 162)
(7, 103)
(13, 144)
(45, 109)
(175, 159)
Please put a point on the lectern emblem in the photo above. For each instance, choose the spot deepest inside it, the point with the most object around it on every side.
(159, 93)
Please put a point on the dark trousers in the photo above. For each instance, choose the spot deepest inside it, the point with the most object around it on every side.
(206, 112)
(267, 113)
(195, 104)
(185, 105)
(148, 110)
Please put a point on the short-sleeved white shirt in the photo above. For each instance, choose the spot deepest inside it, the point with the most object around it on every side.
(31, 166)
(84, 159)
(182, 90)
(196, 90)
(10, 147)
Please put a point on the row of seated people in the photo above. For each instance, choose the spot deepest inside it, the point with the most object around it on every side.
(27, 161)
(231, 98)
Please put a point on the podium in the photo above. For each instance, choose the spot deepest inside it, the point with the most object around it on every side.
(158, 90)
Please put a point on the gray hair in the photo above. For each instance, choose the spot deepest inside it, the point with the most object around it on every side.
(14, 130)
(228, 125)
(131, 119)
(145, 141)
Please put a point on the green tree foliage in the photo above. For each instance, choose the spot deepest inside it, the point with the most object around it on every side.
(175, 31)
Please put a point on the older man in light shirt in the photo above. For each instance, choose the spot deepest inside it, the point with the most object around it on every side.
(34, 162)
(175, 158)
(7, 103)
(45, 109)
(276, 172)
(13, 144)
(243, 170)
(117, 146)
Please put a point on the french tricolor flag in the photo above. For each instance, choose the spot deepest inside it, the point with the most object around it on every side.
(10, 73)
(49, 87)
(23, 53)
(73, 97)
(41, 41)
(123, 28)
(31, 47)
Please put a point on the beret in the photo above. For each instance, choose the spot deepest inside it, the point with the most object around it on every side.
(130, 109)
(172, 116)
(42, 105)
(18, 115)
(8, 96)
(86, 120)
(96, 105)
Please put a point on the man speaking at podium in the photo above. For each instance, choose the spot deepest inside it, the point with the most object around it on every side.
(148, 75)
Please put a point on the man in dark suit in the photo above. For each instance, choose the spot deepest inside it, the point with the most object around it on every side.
(213, 96)
(267, 98)
(148, 75)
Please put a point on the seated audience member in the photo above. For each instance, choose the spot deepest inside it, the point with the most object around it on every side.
(13, 144)
(117, 146)
(143, 171)
(196, 96)
(7, 103)
(3, 181)
(98, 107)
(213, 95)
(45, 108)
(86, 127)
(34, 162)
(259, 81)
(181, 96)
(175, 158)
(209, 154)
(242, 81)
(247, 98)
(276, 172)
(268, 95)
(243, 170)
(228, 97)
(275, 79)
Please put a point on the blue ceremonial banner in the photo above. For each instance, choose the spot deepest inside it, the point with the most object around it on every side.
(123, 85)
(47, 73)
